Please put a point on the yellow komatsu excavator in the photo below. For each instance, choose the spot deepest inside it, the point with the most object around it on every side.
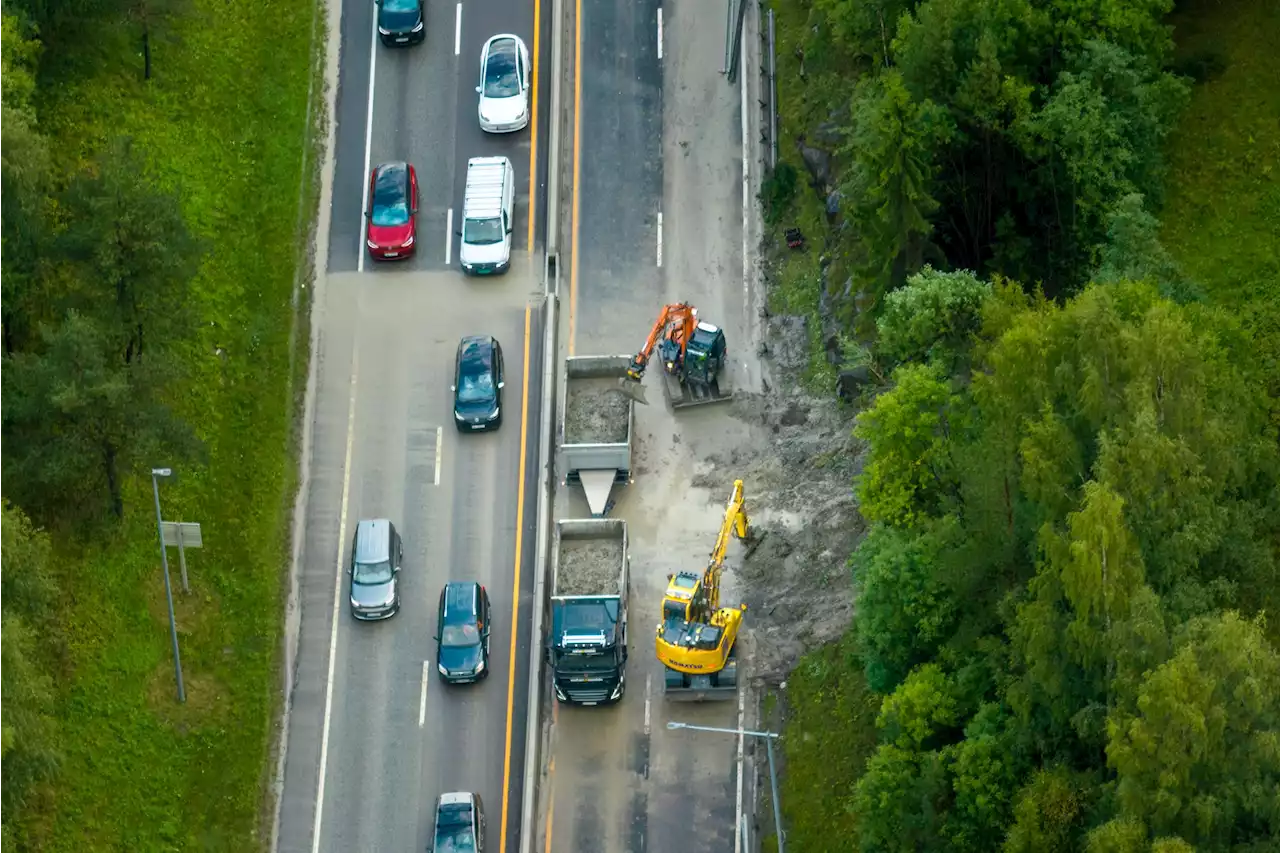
(695, 640)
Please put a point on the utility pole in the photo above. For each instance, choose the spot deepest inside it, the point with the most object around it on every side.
(769, 738)
(156, 473)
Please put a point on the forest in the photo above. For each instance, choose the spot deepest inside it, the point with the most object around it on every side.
(155, 159)
(1064, 635)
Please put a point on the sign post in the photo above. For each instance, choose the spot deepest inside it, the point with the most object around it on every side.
(184, 534)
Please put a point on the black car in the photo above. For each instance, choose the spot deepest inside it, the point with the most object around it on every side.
(402, 22)
(477, 384)
(460, 824)
(462, 644)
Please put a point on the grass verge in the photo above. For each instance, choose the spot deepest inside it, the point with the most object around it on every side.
(805, 101)
(1222, 210)
(225, 122)
(829, 731)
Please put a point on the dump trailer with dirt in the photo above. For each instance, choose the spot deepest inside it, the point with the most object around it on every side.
(597, 425)
(587, 643)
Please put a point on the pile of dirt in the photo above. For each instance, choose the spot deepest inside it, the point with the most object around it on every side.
(595, 413)
(798, 465)
(589, 567)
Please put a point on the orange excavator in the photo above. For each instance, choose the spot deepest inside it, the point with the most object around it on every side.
(693, 354)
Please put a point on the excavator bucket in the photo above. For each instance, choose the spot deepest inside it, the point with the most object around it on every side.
(632, 388)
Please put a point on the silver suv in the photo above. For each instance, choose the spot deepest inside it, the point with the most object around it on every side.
(376, 552)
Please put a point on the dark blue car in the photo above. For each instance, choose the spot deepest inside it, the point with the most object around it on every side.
(477, 384)
(462, 641)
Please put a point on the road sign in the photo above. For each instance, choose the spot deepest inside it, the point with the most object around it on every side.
(181, 534)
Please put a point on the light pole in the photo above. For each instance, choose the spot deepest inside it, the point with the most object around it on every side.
(156, 473)
(769, 738)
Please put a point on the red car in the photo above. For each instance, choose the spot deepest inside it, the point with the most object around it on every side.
(393, 212)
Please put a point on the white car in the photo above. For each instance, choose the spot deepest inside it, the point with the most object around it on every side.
(504, 84)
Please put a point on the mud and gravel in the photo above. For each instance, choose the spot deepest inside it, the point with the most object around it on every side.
(595, 412)
(589, 567)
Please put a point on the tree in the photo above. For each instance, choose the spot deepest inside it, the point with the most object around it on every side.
(1049, 813)
(131, 242)
(905, 608)
(1133, 252)
(27, 737)
(77, 418)
(933, 318)
(892, 142)
(24, 171)
(1199, 758)
(909, 469)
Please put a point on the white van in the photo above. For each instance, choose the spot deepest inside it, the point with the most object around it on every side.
(487, 210)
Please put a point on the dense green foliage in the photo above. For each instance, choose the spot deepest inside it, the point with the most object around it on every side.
(153, 155)
(1075, 500)
(1066, 535)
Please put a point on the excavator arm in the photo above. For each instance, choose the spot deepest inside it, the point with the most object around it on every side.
(735, 525)
(674, 323)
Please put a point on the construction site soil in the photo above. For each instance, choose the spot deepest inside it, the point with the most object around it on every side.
(798, 459)
(589, 567)
(595, 412)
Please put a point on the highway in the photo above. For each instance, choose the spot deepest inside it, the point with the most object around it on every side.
(373, 736)
(656, 215)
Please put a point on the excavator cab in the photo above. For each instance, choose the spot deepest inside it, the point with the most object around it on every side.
(704, 354)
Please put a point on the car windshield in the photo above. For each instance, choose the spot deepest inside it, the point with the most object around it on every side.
(477, 388)
(453, 830)
(459, 636)
(372, 573)
(500, 78)
(482, 232)
(400, 5)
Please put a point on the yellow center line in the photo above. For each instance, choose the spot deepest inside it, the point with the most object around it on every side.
(577, 136)
(533, 123)
(515, 599)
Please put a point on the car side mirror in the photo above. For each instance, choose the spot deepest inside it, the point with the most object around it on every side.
(453, 387)
(477, 90)
(458, 233)
(502, 385)
(436, 638)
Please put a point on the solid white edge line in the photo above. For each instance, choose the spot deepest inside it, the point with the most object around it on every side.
(457, 31)
(737, 823)
(422, 699)
(659, 32)
(659, 238)
(337, 600)
(368, 143)
(648, 690)
(448, 238)
(746, 181)
(439, 451)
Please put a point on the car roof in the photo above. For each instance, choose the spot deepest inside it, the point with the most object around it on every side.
(457, 797)
(460, 601)
(373, 541)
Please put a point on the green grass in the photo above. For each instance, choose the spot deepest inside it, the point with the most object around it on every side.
(828, 734)
(1222, 212)
(224, 121)
(803, 104)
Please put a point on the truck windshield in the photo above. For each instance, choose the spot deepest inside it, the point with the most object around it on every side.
(584, 663)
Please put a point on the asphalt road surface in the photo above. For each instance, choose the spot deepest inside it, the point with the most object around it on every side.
(658, 220)
(374, 736)
(422, 108)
